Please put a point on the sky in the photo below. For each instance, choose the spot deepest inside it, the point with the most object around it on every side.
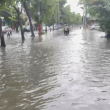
(74, 7)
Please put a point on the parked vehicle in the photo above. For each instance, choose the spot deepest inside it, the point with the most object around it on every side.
(44, 28)
(95, 27)
(27, 28)
(9, 30)
(4, 29)
(59, 26)
(51, 27)
(55, 27)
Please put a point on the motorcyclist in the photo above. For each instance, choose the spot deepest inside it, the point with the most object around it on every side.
(66, 30)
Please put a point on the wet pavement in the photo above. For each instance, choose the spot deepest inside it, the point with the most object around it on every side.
(56, 72)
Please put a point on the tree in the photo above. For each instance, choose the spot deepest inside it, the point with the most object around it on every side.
(44, 11)
(49, 12)
(13, 7)
(2, 35)
(68, 17)
(19, 12)
(24, 3)
(100, 9)
(2, 3)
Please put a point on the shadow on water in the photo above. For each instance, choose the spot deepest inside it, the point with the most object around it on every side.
(3, 51)
(56, 74)
(40, 39)
(39, 76)
(22, 42)
(88, 35)
(108, 43)
(32, 38)
(13, 80)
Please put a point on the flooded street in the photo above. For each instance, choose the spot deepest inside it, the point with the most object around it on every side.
(56, 72)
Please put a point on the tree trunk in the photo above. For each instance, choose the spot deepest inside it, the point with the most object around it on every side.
(107, 35)
(1, 35)
(16, 27)
(3, 41)
(39, 30)
(0, 28)
(29, 17)
(20, 22)
(21, 28)
(53, 27)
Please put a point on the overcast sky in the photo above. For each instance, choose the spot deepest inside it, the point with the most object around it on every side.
(74, 7)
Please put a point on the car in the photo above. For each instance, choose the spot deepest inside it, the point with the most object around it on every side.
(44, 28)
(9, 30)
(59, 26)
(55, 27)
(95, 27)
(26, 28)
(4, 29)
(51, 27)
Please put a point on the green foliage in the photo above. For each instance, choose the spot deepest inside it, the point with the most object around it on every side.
(48, 11)
(100, 10)
(68, 17)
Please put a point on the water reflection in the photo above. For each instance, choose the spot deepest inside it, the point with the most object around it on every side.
(108, 43)
(40, 39)
(22, 42)
(60, 72)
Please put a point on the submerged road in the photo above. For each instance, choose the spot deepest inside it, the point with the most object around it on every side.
(56, 72)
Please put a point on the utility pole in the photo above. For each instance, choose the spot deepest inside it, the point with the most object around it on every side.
(84, 16)
(1, 34)
(58, 13)
(39, 13)
(58, 17)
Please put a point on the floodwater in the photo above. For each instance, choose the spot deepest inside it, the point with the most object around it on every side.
(56, 72)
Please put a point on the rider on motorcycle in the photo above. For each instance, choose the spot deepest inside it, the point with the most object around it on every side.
(66, 30)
